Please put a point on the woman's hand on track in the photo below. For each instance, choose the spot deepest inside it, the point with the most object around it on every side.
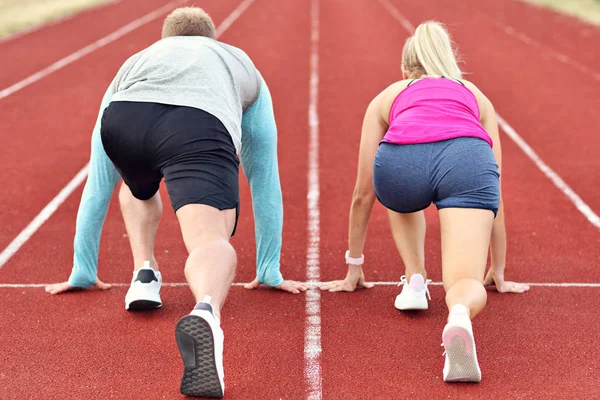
(497, 279)
(57, 288)
(286, 286)
(354, 279)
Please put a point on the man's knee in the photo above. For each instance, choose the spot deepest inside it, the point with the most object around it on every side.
(215, 248)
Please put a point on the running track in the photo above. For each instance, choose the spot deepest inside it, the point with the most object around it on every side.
(324, 60)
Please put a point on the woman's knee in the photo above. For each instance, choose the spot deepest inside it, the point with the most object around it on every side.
(449, 282)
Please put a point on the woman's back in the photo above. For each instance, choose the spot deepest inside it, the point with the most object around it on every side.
(432, 110)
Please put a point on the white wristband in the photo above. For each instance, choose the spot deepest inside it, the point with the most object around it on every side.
(354, 261)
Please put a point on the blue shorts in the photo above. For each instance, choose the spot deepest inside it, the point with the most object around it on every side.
(455, 173)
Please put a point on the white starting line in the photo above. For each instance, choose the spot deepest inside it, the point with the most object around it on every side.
(313, 285)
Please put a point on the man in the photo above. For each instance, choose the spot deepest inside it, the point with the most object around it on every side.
(183, 109)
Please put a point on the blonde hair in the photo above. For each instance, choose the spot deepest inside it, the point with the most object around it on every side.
(429, 52)
(189, 21)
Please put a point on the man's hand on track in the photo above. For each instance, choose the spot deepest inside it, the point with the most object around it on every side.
(286, 286)
(62, 287)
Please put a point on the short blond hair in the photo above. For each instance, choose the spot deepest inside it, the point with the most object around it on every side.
(189, 21)
(430, 52)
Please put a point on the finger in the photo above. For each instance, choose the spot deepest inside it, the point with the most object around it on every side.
(54, 289)
(287, 287)
(329, 285)
(60, 287)
(488, 281)
(299, 285)
(520, 288)
(341, 288)
(101, 285)
(364, 284)
(252, 285)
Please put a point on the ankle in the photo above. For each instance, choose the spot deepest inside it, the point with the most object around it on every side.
(146, 264)
(206, 305)
(421, 272)
(459, 311)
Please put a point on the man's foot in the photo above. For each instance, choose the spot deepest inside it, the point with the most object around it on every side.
(144, 292)
(200, 340)
(461, 356)
(414, 294)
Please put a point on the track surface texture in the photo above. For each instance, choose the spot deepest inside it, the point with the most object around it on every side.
(538, 68)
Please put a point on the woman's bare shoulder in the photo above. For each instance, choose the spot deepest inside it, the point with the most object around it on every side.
(385, 99)
(395, 88)
(473, 88)
(485, 105)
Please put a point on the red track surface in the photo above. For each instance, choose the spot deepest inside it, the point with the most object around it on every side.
(540, 345)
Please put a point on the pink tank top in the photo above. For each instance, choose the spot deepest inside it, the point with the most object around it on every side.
(432, 110)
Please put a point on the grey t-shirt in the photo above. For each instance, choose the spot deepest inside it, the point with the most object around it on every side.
(192, 71)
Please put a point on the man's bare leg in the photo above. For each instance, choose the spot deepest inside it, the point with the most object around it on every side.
(209, 270)
(141, 222)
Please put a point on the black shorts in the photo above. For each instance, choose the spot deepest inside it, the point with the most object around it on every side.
(187, 146)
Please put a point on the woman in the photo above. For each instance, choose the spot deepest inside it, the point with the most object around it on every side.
(433, 137)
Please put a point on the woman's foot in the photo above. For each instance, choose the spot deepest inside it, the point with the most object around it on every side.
(461, 356)
(414, 294)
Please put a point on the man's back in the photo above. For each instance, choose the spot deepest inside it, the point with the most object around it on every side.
(195, 72)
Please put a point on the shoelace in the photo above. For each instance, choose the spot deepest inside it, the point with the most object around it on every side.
(404, 281)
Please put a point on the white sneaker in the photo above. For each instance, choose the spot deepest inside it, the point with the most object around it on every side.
(144, 292)
(414, 294)
(200, 340)
(461, 363)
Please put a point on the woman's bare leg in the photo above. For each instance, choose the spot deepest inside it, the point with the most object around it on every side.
(409, 231)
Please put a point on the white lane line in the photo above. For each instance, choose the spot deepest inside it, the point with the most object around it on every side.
(312, 335)
(313, 285)
(18, 34)
(47, 211)
(42, 217)
(537, 284)
(549, 172)
(511, 31)
(63, 62)
(231, 18)
(397, 16)
(41, 285)
(529, 152)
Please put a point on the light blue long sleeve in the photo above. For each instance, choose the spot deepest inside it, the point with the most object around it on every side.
(259, 161)
(101, 182)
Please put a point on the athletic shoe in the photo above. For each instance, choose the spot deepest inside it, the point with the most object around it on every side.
(461, 356)
(414, 294)
(144, 292)
(200, 340)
